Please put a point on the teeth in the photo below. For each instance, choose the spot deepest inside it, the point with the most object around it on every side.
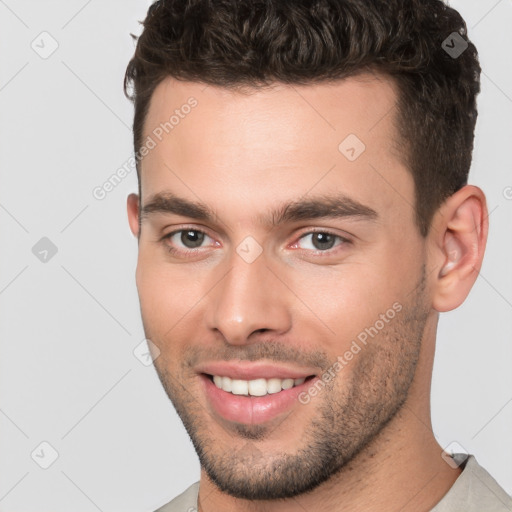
(239, 387)
(287, 383)
(226, 384)
(274, 386)
(256, 387)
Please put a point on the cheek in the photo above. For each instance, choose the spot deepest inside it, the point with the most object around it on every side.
(342, 302)
(168, 297)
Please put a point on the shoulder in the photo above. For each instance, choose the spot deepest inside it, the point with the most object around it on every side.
(185, 502)
(475, 490)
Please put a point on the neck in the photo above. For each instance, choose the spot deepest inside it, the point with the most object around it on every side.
(402, 469)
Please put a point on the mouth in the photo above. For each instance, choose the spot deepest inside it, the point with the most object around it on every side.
(250, 394)
(256, 387)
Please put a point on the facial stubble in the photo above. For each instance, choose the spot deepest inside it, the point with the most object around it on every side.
(349, 414)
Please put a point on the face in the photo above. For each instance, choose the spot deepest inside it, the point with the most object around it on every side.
(281, 275)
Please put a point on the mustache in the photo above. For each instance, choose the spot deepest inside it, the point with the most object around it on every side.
(269, 351)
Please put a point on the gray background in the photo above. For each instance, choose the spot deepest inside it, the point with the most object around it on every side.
(69, 325)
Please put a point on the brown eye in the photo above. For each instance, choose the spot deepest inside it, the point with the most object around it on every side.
(320, 241)
(191, 238)
(183, 241)
(323, 241)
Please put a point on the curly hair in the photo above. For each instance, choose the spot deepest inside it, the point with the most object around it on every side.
(253, 43)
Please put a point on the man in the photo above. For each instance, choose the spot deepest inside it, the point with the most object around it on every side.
(303, 217)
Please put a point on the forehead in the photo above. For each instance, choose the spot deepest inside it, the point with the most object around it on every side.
(355, 105)
(263, 144)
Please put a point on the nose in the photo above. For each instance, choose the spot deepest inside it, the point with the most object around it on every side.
(250, 298)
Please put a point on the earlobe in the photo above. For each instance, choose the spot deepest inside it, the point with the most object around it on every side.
(132, 205)
(461, 227)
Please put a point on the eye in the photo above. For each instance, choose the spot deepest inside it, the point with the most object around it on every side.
(320, 241)
(185, 240)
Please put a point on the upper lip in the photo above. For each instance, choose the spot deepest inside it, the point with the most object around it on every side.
(254, 370)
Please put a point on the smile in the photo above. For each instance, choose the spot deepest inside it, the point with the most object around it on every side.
(255, 387)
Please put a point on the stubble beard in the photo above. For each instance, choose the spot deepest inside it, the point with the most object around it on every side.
(347, 417)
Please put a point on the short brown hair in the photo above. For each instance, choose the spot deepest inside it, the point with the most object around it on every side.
(237, 43)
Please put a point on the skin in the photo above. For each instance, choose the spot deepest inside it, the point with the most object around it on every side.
(243, 154)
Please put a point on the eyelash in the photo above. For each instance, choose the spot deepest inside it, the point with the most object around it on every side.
(186, 252)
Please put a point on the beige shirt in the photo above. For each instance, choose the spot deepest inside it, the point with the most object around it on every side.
(474, 491)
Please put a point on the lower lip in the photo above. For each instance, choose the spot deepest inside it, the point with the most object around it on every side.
(251, 410)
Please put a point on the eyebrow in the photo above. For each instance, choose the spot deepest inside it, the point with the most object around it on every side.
(318, 207)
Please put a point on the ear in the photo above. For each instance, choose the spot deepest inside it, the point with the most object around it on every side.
(459, 231)
(132, 204)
